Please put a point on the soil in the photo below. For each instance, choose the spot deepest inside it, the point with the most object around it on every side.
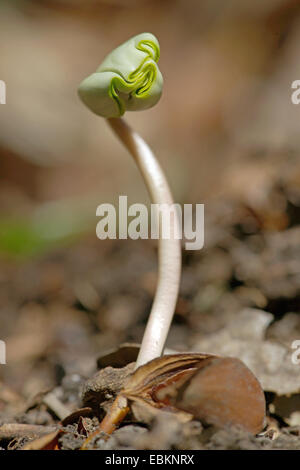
(68, 312)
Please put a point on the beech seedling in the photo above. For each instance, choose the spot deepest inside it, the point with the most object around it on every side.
(220, 391)
(129, 80)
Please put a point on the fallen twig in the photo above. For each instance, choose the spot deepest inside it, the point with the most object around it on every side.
(13, 430)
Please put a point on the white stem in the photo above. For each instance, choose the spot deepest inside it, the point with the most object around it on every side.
(169, 250)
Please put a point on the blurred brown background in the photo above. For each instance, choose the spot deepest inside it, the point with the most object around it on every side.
(228, 70)
(224, 130)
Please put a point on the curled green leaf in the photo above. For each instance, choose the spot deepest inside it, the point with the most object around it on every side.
(127, 80)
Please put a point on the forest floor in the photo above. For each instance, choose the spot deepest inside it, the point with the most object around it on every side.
(67, 313)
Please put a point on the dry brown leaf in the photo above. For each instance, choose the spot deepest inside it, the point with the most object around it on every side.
(174, 368)
(216, 390)
(223, 393)
(48, 442)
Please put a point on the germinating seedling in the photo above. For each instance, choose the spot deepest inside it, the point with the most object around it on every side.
(129, 80)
